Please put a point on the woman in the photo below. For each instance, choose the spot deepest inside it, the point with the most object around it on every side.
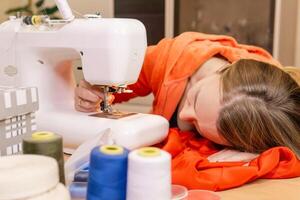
(233, 95)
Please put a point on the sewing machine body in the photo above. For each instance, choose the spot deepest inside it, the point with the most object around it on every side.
(111, 52)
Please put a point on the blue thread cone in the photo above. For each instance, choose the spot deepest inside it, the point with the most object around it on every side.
(107, 176)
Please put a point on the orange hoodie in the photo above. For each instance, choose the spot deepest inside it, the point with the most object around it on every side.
(169, 64)
(191, 168)
(165, 73)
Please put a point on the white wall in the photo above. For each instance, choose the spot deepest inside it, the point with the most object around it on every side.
(169, 18)
(286, 32)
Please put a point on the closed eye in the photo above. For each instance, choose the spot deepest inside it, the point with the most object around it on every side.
(196, 99)
(223, 69)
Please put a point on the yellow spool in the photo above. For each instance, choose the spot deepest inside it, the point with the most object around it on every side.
(43, 135)
(112, 149)
(36, 20)
(149, 152)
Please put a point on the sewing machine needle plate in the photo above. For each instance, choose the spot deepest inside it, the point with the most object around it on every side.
(113, 115)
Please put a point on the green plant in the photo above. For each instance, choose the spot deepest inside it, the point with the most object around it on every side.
(36, 8)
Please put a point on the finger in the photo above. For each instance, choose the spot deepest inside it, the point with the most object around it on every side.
(86, 94)
(85, 106)
(81, 109)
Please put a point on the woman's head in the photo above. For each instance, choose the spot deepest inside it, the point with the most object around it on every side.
(201, 108)
(248, 105)
(260, 107)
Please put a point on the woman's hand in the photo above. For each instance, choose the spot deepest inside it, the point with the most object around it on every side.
(87, 97)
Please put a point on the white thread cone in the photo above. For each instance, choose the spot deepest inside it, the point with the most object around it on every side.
(149, 178)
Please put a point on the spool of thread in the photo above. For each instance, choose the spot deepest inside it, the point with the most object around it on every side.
(81, 176)
(149, 174)
(107, 173)
(30, 177)
(78, 190)
(33, 20)
(47, 144)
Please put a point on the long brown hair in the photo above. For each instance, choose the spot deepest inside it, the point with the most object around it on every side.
(260, 106)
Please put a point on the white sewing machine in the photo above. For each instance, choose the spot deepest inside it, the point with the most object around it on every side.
(33, 52)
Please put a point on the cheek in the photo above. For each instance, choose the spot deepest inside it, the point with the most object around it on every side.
(207, 110)
(206, 122)
(208, 102)
(211, 134)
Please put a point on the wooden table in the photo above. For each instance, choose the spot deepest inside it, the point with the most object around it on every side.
(265, 189)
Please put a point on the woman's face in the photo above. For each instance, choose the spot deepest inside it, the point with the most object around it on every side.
(201, 107)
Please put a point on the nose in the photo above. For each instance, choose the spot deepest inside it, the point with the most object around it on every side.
(187, 113)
